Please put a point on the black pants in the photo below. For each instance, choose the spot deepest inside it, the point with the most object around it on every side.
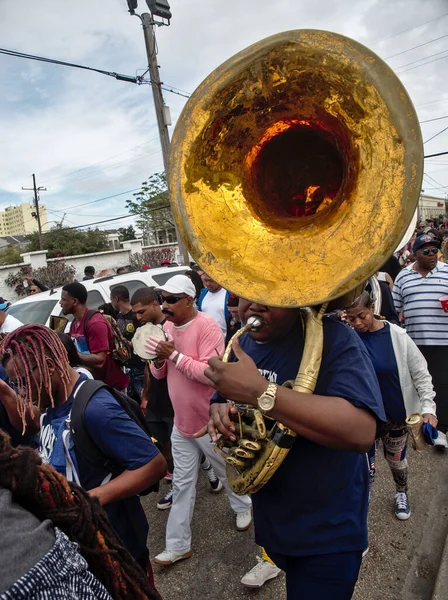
(321, 577)
(437, 359)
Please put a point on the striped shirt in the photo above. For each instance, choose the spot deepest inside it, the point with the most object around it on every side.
(419, 299)
(62, 573)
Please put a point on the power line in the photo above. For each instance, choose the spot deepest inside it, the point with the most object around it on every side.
(410, 29)
(99, 200)
(436, 119)
(100, 162)
(414, 62)
(425, 63)
(114, 166)
(431, 179)
(437, 154)
(99, 222)
(434, 136)
(63, 63)
(415, 47)
(442, 99)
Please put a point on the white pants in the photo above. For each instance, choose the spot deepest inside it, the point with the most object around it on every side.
(187, 458)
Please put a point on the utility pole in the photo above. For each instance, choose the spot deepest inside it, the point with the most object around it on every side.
(159, 8)
(35, 189)
(161, 109)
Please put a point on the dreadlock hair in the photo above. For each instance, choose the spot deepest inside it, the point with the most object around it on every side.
(48, 495)
(33, 344)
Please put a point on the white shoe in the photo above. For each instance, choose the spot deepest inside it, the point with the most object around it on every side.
(262, 572)
(441, 440)
(244, 519)
(168, 557)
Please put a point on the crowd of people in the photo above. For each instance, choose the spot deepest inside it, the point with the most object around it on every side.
(109, 424)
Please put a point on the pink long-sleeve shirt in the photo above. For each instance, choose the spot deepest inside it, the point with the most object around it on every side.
(188, 387)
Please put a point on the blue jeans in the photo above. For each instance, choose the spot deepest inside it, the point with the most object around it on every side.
(135, 387)
(321, 577)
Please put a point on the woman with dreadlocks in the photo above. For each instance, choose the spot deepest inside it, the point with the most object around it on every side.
(42, 516)
(37, 365)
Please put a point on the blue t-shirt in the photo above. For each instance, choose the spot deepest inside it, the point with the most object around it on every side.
(119, 438)
(381, 352)
(317, 501)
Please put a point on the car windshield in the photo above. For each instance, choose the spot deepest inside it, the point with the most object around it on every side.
(32, 312)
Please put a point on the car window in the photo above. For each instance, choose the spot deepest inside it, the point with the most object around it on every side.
(162, 278)
(94, 299)
(33, 312)
(133, 286)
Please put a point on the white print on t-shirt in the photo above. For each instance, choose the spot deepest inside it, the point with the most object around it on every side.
(269, 375)
(47, 440)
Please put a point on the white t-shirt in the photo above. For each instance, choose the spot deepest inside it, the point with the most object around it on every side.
(213, 304)
(83, 371)
(10, 324)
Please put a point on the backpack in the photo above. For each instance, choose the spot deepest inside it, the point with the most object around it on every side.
(122, 351)
(82, 440)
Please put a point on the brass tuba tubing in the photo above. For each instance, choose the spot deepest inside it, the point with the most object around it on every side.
(252, 324)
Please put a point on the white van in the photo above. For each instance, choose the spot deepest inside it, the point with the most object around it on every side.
(40, 307)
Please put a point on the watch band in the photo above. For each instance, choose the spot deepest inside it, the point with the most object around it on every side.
(271, 392)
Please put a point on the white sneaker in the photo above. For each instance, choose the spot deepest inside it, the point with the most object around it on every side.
(262, 572)
(244, 519)
(168, 557)
(441, 440)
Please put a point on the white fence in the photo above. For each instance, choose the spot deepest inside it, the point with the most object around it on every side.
(111, 259)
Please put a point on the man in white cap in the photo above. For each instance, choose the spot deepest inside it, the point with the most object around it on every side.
(8, 323)
(193, 338)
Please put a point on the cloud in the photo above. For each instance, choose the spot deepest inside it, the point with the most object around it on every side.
(57, 121)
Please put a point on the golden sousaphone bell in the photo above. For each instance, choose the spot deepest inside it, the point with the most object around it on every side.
(296, 167)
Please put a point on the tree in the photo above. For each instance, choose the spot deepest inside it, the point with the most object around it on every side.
(10, 255)
(63, 241)
(55, 274)
(127, 233)
(151, 258)
(152, 205)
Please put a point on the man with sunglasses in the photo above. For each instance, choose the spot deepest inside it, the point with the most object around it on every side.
(417, 293)
(193, 338)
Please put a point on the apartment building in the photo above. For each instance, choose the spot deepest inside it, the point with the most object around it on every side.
(19, 220)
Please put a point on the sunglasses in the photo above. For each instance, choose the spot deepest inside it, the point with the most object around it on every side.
(171, 299)
(428, 251)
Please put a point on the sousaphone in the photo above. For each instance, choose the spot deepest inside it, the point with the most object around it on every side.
(295, 170)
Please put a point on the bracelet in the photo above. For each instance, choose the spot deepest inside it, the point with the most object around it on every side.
(173, 355)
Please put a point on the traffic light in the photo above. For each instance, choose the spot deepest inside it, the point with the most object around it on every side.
(159, 8)
(132, 5)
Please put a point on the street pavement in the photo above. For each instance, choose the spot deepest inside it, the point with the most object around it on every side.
(402, 562)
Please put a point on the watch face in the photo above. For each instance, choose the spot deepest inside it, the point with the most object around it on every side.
(266, 402)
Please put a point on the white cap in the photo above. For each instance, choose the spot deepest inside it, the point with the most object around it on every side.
(179, 284)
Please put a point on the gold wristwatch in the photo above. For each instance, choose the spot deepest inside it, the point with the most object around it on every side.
(266, 401)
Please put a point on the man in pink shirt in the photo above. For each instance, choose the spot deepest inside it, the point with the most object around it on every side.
(193, 338)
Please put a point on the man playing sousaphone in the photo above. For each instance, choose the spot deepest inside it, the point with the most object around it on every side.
(281, 156)
(311, 516)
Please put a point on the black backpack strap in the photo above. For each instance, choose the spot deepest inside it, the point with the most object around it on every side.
(82, 440)
(89, 315)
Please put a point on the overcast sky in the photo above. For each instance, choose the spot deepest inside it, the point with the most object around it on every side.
(87, 136)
